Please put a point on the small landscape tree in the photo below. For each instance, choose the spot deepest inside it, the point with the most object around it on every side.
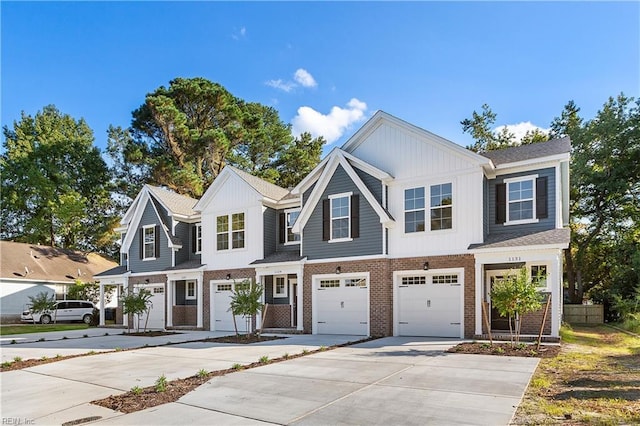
(515, 296)
(41, 303)
(90, 291)
(136, 303)
(245, 301)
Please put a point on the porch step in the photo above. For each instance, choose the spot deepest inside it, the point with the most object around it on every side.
(282, 331)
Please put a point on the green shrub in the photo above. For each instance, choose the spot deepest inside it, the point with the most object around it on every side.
(136, 390)
(161, 384)
(17, 358)
(202, 373)
(237, 366)
(264, 359)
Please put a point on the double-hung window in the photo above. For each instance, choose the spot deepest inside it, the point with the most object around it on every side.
(414, 210)
(190, 290)
(441, 210)
(521, 199)
(149, 242)
(230, 231)
(340, 216)
(291, 216)
(280, 286)
(197, 238)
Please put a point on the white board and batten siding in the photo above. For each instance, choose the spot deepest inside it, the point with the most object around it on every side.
(421, 160)
(235, 196)
(429, 303)
(340, 304)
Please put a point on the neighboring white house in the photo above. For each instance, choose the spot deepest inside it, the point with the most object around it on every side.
(28, 269)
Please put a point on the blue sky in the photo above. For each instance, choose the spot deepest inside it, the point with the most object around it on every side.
(326, 67)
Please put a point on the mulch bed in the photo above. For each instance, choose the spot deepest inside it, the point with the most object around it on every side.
(150, 333)
(506, 349)
(26, 363)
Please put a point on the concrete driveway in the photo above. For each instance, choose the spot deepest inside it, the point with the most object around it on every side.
(386, 381)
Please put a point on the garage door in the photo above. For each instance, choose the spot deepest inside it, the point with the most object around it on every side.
(342, 306)
(156, 311)
(429, 305)
(222, 318)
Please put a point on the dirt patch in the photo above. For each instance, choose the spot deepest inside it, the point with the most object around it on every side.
(26, 363)
(506, 349)
(593, 380)
(244, 339)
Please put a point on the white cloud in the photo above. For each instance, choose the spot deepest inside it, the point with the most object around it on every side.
(331, 126)
(520, 129)
(286, 86)
(239, 34)
(303, 77)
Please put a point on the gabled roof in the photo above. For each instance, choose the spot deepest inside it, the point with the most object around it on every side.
(338, 158)
(174, 203)
(380, 116)
(32, 262)
(267, 190)
(528, 152)
(552, 237)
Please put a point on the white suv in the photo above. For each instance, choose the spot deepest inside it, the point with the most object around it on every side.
(66, 310)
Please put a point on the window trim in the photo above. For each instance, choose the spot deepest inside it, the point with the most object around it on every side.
(423, 209)
(441, 206)
(534, 218)
(198, 235)
(332, 197)
(144, 243)
(541, 288)
(287, 227)
(285, 287)
(229, 232)
(186, 290)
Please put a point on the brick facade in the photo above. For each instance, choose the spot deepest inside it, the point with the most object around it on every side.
(278, 316)
(185, 315)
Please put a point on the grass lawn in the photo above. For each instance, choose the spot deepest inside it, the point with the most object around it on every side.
(38, 328)
(594, 380)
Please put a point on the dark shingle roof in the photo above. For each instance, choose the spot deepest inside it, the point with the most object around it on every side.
(528, 152)
(118, 270)
(282, 256)
(189, 264)
(552, 236)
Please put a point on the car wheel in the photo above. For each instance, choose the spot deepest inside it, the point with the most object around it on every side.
(45, 319)
(86, 319)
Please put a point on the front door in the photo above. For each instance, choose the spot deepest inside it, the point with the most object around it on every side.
(498, 322)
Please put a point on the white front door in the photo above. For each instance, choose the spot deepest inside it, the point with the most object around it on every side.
(342, 306)
(429, 305)
(222, 319)
(156, 308)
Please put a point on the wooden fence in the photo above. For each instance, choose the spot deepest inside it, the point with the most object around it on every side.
(584, 314)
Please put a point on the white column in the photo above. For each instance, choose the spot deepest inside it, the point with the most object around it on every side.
(200, 305)
(125, 288)
(169, 301)
(101, 305)
(479, 297)
(299, 287)
(555, 275)
(263, 298)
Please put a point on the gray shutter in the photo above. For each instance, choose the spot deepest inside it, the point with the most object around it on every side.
(501, 203)
(141, 243)
(542, 198)
(326, 219)
(355, 216)
(194, 238)
(157, 242)
(283, 228)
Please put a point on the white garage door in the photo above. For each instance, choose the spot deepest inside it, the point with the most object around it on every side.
(156, 311)
(342, 306)
(429, 305)
(222, 318)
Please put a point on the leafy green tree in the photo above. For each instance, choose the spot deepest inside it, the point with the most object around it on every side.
(514, 296)
(246, 301)
(184, 134)
(298, 159)
(479, 126)
(89, 291)
(605, 197)
(136, 303)
(41, 303)
(55, 185)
